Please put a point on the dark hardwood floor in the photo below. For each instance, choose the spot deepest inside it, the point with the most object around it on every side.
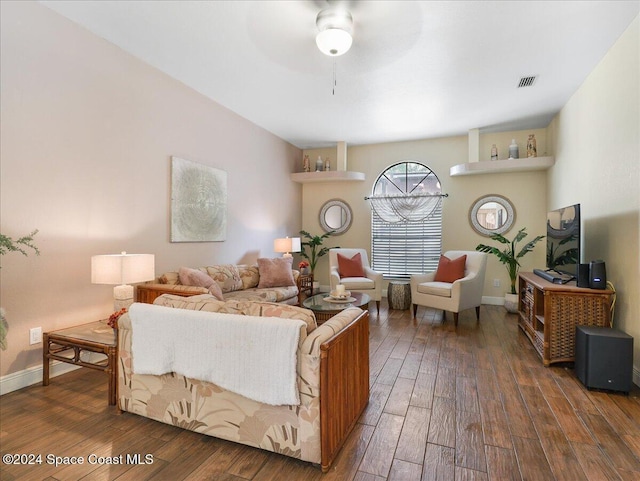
(468, 404)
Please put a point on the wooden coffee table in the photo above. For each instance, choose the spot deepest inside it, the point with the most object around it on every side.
(324, 310)
(78, 345)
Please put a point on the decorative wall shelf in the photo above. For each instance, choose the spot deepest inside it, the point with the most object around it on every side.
(327, 176)
(501, 166)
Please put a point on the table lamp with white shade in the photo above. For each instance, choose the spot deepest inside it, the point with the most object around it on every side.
(287, 245)
(121, 270)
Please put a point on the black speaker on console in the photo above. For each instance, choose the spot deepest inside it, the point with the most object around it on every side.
(584, 279)
(597, 275)
(604, 358)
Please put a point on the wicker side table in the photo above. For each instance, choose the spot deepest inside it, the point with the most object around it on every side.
(71, 345)
(399, 295)
(305, 287)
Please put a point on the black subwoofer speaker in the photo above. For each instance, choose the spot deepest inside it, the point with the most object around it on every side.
(597, 275)
(604, 358)
(583, 275)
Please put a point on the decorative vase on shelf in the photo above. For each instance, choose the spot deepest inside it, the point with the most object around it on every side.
(532, 151)
(319, 164)
(494, 152)
(327, 165)
(513, 150)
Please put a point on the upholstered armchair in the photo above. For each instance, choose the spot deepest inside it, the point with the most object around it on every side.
(457, 295)
(367, 281)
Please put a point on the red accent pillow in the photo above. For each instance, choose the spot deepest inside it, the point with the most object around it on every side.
(350, 267)
(450, 270)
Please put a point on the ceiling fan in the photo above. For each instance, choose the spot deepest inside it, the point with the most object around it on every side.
(335, 25)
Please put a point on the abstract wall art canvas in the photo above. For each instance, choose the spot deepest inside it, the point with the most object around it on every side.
(198, 202)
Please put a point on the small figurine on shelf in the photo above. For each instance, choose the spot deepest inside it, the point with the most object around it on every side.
(513, 150)
(532, 151)
(306, 164)
(494, 152)
(327, 164)
(319, 164)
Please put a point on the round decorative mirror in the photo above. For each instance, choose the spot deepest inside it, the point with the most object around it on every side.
(335, 215)
(492, 214)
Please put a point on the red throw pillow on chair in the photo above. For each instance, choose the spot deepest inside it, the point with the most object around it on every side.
(350, 267)
(450, 270)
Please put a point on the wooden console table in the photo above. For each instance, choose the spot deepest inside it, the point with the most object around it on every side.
(549, 313)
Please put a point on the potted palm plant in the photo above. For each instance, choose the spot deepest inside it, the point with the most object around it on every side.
(312, 250)
(510, 258)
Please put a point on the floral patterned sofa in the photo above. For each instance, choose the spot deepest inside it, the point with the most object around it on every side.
(239, 282)
(332, 379)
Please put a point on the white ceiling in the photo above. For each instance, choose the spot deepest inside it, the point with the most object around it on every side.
(417, 69)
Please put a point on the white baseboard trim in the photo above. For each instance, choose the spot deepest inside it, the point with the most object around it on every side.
(636, 376)
(493, 301)
(32, 375)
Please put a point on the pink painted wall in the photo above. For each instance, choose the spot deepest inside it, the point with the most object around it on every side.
(87, 133)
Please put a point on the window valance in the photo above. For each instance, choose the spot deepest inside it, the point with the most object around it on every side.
(405, 207)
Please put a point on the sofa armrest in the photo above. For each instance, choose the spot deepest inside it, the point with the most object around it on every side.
(334, 278)
(147, 293)
(330, 328)
(373, 275)
(344, 384)
(467, 288)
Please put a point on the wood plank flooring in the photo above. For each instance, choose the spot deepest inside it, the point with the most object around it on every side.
(468, 404)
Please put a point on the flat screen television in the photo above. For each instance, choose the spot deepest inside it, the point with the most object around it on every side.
(563, 240)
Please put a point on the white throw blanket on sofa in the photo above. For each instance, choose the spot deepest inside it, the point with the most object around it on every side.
(248, 355)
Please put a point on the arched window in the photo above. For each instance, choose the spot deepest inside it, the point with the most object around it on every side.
(406, 220)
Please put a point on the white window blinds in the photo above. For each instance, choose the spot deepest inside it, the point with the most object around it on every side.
(402, 245)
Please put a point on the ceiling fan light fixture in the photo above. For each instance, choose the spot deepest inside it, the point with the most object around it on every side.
(334, 41)
(335, 26)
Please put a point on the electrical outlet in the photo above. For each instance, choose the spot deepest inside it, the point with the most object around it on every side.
(496, 283)
(35, 335)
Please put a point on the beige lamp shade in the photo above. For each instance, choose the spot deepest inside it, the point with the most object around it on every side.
(121, 270)
(287, 245)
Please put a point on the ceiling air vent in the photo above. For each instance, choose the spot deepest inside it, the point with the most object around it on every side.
(527, 81)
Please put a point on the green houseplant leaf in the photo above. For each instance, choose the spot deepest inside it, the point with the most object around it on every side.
(508, 255)
(311, 247)
(7, 244)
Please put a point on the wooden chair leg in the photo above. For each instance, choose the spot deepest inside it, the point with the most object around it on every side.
(455, 319)
(478, 314)
(378, 306)
(415, 310)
